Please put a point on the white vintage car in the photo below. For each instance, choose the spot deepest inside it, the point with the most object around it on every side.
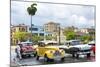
(75, 48)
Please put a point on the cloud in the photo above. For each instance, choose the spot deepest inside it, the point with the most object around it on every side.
(67, 15)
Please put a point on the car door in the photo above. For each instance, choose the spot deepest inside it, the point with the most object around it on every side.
(41, 49)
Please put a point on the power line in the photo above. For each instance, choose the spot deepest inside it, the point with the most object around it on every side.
(52, 3)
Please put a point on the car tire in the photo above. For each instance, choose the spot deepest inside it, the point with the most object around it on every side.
(35, 54)
(62, 59)
(46, 59)
(89, 54)
(77, 55)
(73, 55)
(37, 57)
(23, 56)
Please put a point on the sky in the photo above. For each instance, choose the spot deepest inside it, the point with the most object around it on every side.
(67, 15)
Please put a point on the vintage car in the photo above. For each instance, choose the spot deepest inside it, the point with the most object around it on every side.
(75, 48)
(92, 43)
(27, 49)
(50, 52)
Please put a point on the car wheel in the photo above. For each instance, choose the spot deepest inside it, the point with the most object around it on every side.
(23, 56)
(62, 59)
(46, 58)
(35, 54)
(89, 54)
(73, 55)
(37, 57)
(77, 55)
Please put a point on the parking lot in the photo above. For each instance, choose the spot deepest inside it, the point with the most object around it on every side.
(32, 60)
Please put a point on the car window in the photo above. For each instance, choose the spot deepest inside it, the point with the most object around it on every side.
(27, 44)
(75, 43)
(72, 43)
(40, 44)
(52, 44)
(92, 44)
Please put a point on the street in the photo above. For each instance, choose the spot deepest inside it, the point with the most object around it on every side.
(32, 60)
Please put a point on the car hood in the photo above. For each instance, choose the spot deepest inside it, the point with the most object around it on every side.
(52, 47)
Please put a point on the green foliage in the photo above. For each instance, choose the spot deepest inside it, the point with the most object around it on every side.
(21, 36)
(50, 37)
(32, 9)
(36, 38)
(86, 38)
(70, 34)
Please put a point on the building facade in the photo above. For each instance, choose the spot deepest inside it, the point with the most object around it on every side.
(51, 27)
(17, 28)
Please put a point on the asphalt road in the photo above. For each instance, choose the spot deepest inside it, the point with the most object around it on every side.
(32, 60)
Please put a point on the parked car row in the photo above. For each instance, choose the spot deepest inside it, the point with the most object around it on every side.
(75, 48)
(51, 51)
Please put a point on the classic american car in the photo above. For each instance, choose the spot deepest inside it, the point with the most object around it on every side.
(27, 49)
(75, 48)
(50, 52)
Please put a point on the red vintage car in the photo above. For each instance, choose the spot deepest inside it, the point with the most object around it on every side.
(27, 49)
(92, 43)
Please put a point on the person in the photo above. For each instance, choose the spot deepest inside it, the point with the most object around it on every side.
(18, 51)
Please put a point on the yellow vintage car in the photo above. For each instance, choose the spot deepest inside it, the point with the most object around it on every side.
(49, 51)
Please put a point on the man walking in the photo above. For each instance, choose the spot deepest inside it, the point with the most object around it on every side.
(18, 51)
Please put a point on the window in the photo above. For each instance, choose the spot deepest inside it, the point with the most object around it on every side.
(41, 34)
(34, 29)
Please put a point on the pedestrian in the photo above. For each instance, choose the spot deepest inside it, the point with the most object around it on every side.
(18, 51)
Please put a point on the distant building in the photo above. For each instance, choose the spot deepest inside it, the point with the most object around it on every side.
(17, 28)
(36, 30)
(56, 30)
(51, 27)
(39, 31)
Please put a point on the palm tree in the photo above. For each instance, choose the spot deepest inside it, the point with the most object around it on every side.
(31, 11)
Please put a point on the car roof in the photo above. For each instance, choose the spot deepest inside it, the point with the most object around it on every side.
(71, 40)
(48, 41)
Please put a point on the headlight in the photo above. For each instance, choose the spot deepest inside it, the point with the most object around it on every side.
(61, 50)
(51, 51)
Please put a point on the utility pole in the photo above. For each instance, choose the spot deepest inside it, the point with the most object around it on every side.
(31, 29)
(59, 34)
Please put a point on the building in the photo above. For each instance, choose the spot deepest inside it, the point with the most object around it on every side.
(17, 28)
(56, 30)
(39, 31)
(51, 27)
(36, 30)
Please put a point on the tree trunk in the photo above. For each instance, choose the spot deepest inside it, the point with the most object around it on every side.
(31, 29)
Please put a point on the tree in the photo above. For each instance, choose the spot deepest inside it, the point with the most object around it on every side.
(21, 36)
(36, 38)
(70, 34)
(31, 11)
(86, 38)
(48, 37)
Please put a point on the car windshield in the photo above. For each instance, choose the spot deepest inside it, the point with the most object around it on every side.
(73, 43)
(26, 44)
(52, 44)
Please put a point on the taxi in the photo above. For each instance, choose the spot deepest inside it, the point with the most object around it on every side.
(50, 51)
